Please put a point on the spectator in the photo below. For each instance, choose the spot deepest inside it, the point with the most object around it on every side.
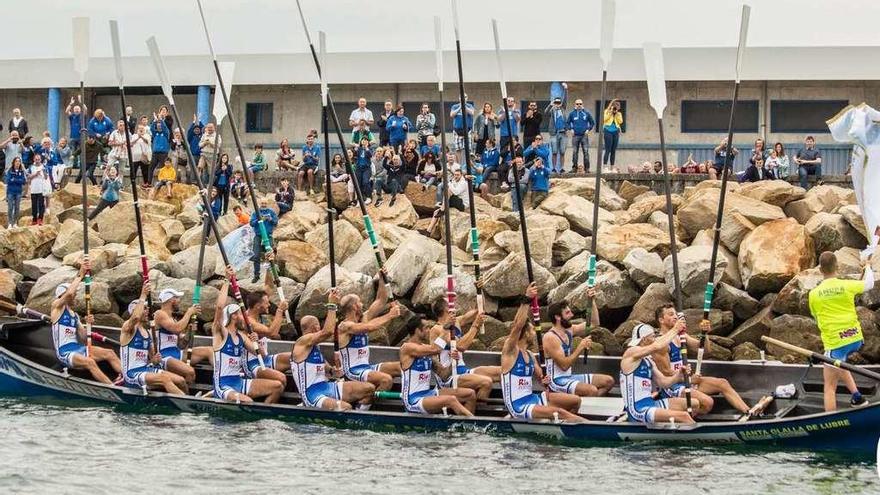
(238, 187)
(522, 183)
(705, 167)
(539, 182)
(92, 149)
(167, 177)
(74, 113)
(27, 151)
(579, 123)
(426, 124)
(111, 184)
(222, 180)
(484, 128)
(129, 118)
(216, 204)
(210, 145)
(46, 150)
(538, 149)
(612, 120)
(514, 125)
(194, 138)
(392, 183)
(15, 179)
(178, 156)
(429, 171)
(363, 169)
(285, 158)
(758, 150)
(555, 112)
(270, 220)
(100, 127)
(12, 148)
(490, 160)
(783, 165)
(690, 166)
(458, 195)
(311, 152)
(116, 141)
(362, 132)
(241, 215)
(430, 146)
(65, 156)
(144, 121)
(397, 126)
(161, 142)
(141, 154)
(658, 167)
(809, 162)
(721, 160)
(361, 113)
(18, 123)
(258, 162)
(531, 123)
(284, 197)
(644, 168)
(338, 175)
(461, 125)
(166, 117)
(451, 165)
(39, 186)
(756, 172)
(384, 134)
(410, 162)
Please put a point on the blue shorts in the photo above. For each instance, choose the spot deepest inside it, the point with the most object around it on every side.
(842, 353)
(254, 365)
(568, 384)
(170, 353)
(460, 370)
(522, 408)
(231, 384)
(318, 393)
(67, 352)
(360, 372)
(645, 409)
(673, 391)
(137, 377)
(413, 402)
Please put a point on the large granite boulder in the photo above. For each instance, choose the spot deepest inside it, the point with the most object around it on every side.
(774, 192)
(70, 238)
(693, 271)
(644, 267)
(830, 232)
(299, 260)
(698, 211)
(766, 264)
(618, 240)
(20, 244)
(508, 278)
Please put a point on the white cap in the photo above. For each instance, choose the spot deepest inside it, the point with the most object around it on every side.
(61, 289)
(133, 305)
(166, 294)
(228, 311)
(640, 331)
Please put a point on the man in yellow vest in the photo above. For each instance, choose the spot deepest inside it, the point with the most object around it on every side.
(832, 304)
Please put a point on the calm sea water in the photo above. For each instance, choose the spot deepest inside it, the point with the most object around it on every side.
(59, 450)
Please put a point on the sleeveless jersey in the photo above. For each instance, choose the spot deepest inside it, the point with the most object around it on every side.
(135, 356)
(416, 380)
(356, 353)
(638, 385)
(553, 370)
(228, 360)
(517, 383)
(309, 372)
(64, 332)
(446, 359)
(249, 356)
(675, 357)
(167, 342)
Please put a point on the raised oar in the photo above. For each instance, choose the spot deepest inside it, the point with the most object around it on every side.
(710, 285)
(249, 176)
(81, 65)
(606, 48)
(653, 54)
(378, 253)
(823, 358)
(536, 310)
(203, 192)
(132, 172)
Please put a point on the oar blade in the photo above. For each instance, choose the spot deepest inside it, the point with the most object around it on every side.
(438, 50)
(743, 35)
(227, 71)
(606, 37)
(322, 57)
(656, 78)
(498, 59)
(117, 51)
(455, 18)
(81, 46)
(159, 65)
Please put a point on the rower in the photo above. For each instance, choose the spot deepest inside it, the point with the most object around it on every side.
(639, 375)
(309, 368)
(561, 356)
(832, 305)
(171, 345)
(449, 327)
(354, 340)
(670, 361)
(229, 343)
(274, 365)
(417, 363)
(140, 364)
(69, 334)
(518, 368)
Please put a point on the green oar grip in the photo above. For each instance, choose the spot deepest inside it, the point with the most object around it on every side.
(475, 241)
(387, 395)
(591, 271)
(707, 298)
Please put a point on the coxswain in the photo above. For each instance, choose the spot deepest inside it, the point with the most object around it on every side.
(69, 334)
(639, 375)
(561, 355)
(417, 362)
(449, 327)
(310, 369)
(832, 304)
(229, 357)
(354, 340)
(518, 368)
(172, 340)
(140, 363)
(274, 366)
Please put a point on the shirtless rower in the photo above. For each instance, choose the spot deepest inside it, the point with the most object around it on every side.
(417, 362)
(354, 340)
(310, 369)
(229, 344)
(518, 367)
(639, 375)
(274, 365)
(69, 334)
(561, 356)
(668, 362)
(448, 326)
(171, 344)
(140, 364)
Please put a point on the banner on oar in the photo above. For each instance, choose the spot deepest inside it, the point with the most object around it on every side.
(239, 245)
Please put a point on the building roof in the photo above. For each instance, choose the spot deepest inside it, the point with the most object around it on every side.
(392, 41)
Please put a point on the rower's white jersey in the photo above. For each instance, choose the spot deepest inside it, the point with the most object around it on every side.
(136, 354)
(228, 360)
(309, 372)
(167, 340)
(356, 353)
(517, 383)
(553, 370)
(445, 358)
(416, 380)
(64, 331)
(637, 386)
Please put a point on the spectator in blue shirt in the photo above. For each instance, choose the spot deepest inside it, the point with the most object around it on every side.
(270, 220)
(398, 126)
(430, 146)
(111, 184)
(161, 144)
(194, 135)
(216, 203)
(555, 113)
(490, 161)
(15, 179)
(502, 122)
(579, 123)
(539, 182)
(100, 126)
(311, 152)
(461, 126)
(222, 180)
(74, 113)
(363, 169)
(537, 149)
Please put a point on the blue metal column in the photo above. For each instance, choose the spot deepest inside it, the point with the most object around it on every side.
(54, 115)
(203, 103)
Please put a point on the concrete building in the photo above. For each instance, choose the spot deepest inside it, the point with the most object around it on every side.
(794, 78)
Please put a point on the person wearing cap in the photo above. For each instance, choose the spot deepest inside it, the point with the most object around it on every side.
(69, 334)
(229, 345)
(561, 354)
(555, 112)
(171, 330)
(639, 375)
(519, 367)
(274, 366)
(310, 369)
(670, 361)
(140, 363)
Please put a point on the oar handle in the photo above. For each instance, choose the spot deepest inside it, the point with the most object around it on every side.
(823, 358)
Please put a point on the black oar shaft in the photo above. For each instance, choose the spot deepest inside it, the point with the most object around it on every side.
(87, 279)
(447, 228)
(670, 217)
(823, 358)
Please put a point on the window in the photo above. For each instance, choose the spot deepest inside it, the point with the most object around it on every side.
(598, 114)
(542, 104)
(803, 115)
(258, 117)
(714, 116)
